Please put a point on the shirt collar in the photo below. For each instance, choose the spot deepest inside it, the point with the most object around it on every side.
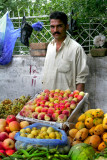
(66, 41)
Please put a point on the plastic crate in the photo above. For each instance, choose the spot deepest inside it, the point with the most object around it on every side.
(71, 119)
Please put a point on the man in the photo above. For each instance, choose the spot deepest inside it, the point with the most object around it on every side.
(65, 63)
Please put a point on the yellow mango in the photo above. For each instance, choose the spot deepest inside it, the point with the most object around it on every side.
(79, 125)
(105, 123)
(89, 122)
(99, 130)
(82, 117)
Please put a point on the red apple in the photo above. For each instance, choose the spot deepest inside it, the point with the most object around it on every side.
(10, 118)
(14, 126)
(65, 98)
(62, 118)
(32, 108)
(22, 112)
(8, 143)
(48, 117)
(76, 95)
(41, 97)
(70, 99)
(51, 111)
(79, 98)
(73, 102)
(82, 93)
(60, 98)
(75, 92)
(66, 101)
(66, 112)
(12, 134)
(35, 115)
(62, 92)
(3, 136)
(57, 106)
(68, 91)
(71, 95)
(69, 109)
(2, 128)
(9, 152)
(55, 116)
(58, 111)
(47, 106)
(46, 91)
(3, 122)
(7, 129)
(62, 107)
(51, 95)
(43, 102)
(2, 152)
(57, 90)
(66, 95)
(67, 104)
(41, 116)
(45, 109)
(73, 106)
(42, 105)
(38, 109)
(51, 104)
(46, 98)
(75, 99)
(1, 145)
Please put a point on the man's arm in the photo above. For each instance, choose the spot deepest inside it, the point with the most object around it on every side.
(80, 86)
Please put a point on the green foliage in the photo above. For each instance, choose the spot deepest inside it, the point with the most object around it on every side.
(82, 8)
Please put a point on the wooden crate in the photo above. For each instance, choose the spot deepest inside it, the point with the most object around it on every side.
(100, 52)
(38, 49)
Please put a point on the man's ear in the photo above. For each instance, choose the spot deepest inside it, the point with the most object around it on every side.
(67, 26)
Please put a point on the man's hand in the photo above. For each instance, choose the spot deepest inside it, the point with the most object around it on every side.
(80, 86)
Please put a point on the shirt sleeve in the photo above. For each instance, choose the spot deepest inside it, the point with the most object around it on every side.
(82, 69)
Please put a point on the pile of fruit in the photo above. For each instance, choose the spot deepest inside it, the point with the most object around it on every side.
(91, 129)
(8, 128)
(8, 107)
(52, 105)
(42, 133)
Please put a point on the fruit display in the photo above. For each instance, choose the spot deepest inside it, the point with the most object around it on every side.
(52, 105)
(8, 128)
(91, 128)
(8, 106)
(42, 133)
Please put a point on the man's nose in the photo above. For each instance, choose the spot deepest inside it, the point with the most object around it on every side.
(55, 29)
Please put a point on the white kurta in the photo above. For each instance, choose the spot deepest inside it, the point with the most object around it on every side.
(65, 68)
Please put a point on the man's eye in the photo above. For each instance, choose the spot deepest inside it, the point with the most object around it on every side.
(52, 26)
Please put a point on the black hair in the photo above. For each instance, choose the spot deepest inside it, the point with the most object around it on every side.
(59, 15)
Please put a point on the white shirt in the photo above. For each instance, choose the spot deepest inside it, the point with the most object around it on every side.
(65, 68)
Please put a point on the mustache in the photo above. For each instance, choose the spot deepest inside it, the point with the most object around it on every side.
(56, 33)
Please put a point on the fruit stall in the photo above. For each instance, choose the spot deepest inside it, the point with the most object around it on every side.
(54, 125)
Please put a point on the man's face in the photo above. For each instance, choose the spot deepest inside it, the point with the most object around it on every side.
(58, 29)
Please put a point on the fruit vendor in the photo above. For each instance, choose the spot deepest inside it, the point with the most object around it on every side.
(65, 64)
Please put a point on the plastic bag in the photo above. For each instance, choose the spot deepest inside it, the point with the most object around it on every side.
(8, 37)
(26, 31)
(42, 142)
(37, 26)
